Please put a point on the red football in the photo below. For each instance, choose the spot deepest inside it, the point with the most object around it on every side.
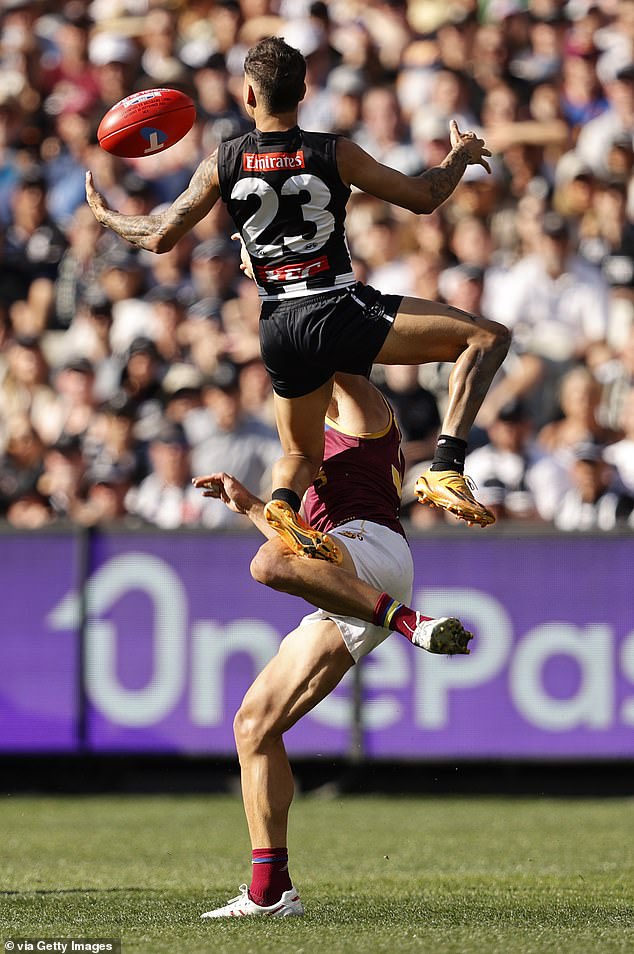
(146, 123)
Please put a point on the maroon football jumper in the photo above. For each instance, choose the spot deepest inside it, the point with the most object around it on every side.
(360, 479)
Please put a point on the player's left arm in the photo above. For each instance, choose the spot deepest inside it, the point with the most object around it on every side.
(236, 497)
(160, 233)
(420, 194)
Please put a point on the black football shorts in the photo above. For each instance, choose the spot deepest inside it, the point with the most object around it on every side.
(304, 341)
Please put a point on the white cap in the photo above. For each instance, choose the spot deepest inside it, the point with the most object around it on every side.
(303, 35)
(428, 125)
(111, 48)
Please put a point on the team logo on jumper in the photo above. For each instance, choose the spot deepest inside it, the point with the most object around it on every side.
(272, 161)
(291, 273)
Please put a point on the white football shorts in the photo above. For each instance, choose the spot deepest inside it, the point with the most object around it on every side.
(381, 558)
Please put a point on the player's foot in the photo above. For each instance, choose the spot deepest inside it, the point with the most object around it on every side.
(289, 905)
(453, 492)
(299, 535)
(445, 636)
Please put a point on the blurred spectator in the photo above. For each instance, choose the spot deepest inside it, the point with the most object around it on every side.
(215, 269)
(226, 438)
(415, 409)
(347, 87)
(541, 59)
(555, 303)
(621, 454)
(122, 281)
(67, 157)
(579, 399)
(617, 378)
(309, 35)
(593, 503)
(383, 134)
(66, 75)
(159, 60)
(507, 462)
(62, 479)
(449, 99)
(169, 306)
(256, 393)
(89, 337)
(112, 450)
(461, 286)
(25, 391)
(582, 98)
(104, 503)
(166, 497)
(34, 243)
(75, 383)
(217, 108)
(77, 270)
(141, 382)
(115, 58)
(29, 512)
(471, 242)
(172, 268)
(21, 464)
(182, 387)
(203, 332)
(616, 122)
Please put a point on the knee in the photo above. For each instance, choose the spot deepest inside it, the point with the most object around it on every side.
(267, 566)
(502, 337)
(249, 731)
(494, 338)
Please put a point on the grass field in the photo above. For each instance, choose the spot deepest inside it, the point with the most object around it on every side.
(450, 876)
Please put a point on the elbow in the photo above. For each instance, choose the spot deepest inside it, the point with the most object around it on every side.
(423, 205)
(161, 243)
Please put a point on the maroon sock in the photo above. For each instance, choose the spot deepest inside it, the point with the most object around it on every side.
(270, 877)
(393, 615)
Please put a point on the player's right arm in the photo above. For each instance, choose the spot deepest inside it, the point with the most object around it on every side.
(160, 233)
(236, 497)
(420, 194)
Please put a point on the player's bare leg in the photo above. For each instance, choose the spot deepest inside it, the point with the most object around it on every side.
(311, 661)
(426, 331)
(300, 425)
(338, 590)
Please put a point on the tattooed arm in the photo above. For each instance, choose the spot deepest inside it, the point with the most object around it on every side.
(160, 233)
(422, 193)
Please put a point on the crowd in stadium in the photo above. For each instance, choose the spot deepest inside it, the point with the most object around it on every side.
(122, 373)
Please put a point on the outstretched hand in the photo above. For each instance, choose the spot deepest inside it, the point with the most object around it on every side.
(224, 487)
(95, 200)
(469, 143)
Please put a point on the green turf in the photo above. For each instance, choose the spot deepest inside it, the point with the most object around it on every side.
(449, 876)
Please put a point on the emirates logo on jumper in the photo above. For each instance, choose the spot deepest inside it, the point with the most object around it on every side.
(272, 161)
(291, 273)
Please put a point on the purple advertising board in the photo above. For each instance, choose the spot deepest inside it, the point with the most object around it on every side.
(175, 631)
(39, 674)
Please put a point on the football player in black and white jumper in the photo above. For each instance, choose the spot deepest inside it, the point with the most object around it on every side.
(286, 190)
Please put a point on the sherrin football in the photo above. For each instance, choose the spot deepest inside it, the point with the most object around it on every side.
(146, 123)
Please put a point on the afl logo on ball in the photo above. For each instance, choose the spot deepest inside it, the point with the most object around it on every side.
(156, 138)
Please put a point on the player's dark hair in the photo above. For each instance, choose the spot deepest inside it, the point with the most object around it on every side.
(279, 71)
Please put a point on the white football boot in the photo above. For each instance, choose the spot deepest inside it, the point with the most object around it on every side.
(289, 905)
(445, 636)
